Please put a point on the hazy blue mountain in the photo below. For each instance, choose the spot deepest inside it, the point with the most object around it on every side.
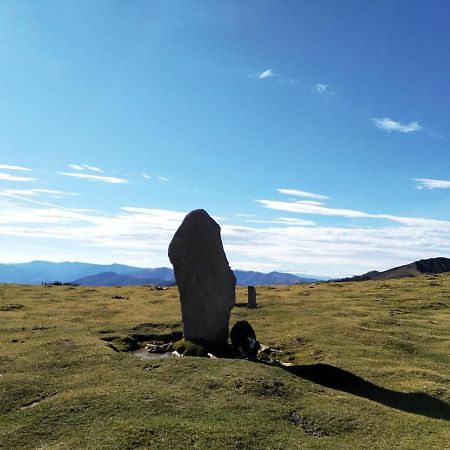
(246, 278)
(115, 279)
(36, 272)
(160, 273)
(164, 277)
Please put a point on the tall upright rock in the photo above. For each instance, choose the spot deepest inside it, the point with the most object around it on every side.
(205, 281)
(251, 295)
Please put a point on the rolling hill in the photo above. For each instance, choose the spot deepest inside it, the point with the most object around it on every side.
(414, 269)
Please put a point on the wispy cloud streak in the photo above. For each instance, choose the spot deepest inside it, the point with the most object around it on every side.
(103, 179)
(432, 184)
(390, 125)
(322, 89)
(8, 177)
(284, 221)
(36, 192)
(299, 207)
(266, 74)
(304, 194)
(85, 166)
(8, 167)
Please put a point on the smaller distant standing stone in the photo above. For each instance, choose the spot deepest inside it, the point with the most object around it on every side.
(251, 302)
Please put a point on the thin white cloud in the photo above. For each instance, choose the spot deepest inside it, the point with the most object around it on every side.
(305, 194)
(112, 180)
(8, 167)
(322, 89)
(300, 207)
(93, 168)
(284, 221)
(248, 216)
(432, 184)
(85, 167)
(311, 202)
(153, 212)
(76, 167)
(390, 125)
(294, 221)
(36, 192)
(8, 177)
(162, 178)
(147, 177)
(266, 74)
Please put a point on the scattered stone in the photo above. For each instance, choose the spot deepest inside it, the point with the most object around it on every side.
(159, 348)
(204, 278)
(251, 295)
(119, 297)
(266, 349)
(161, 288)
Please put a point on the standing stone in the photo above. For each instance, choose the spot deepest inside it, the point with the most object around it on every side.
(205, 281)
(251, 297)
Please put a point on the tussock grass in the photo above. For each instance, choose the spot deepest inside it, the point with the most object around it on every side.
(371, 370)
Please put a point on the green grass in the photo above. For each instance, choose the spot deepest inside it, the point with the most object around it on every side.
(371, 370)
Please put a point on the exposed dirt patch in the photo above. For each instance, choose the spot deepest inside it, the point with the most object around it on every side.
(146, 332)
(11, 307)
(37, 402)
(262, 388)
(404, 346)
(435, 305)
(306, 425)
(142, 334)
(399, 311)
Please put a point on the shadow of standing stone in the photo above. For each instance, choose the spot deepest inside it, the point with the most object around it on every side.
(204, 278)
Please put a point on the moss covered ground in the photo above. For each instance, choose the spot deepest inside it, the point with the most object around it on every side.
(371, 370)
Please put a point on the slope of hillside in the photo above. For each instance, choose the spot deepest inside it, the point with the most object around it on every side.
(414, 269)
(370, 370)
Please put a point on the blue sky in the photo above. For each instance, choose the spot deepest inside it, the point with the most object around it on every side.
(316, 133)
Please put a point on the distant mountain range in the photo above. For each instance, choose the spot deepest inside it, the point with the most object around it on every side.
(37, 272)
(414, 269)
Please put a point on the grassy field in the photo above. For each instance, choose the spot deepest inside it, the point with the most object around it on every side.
(371, 370)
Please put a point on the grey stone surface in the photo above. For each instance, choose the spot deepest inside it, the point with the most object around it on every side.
(204, 278)
(251, 297)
